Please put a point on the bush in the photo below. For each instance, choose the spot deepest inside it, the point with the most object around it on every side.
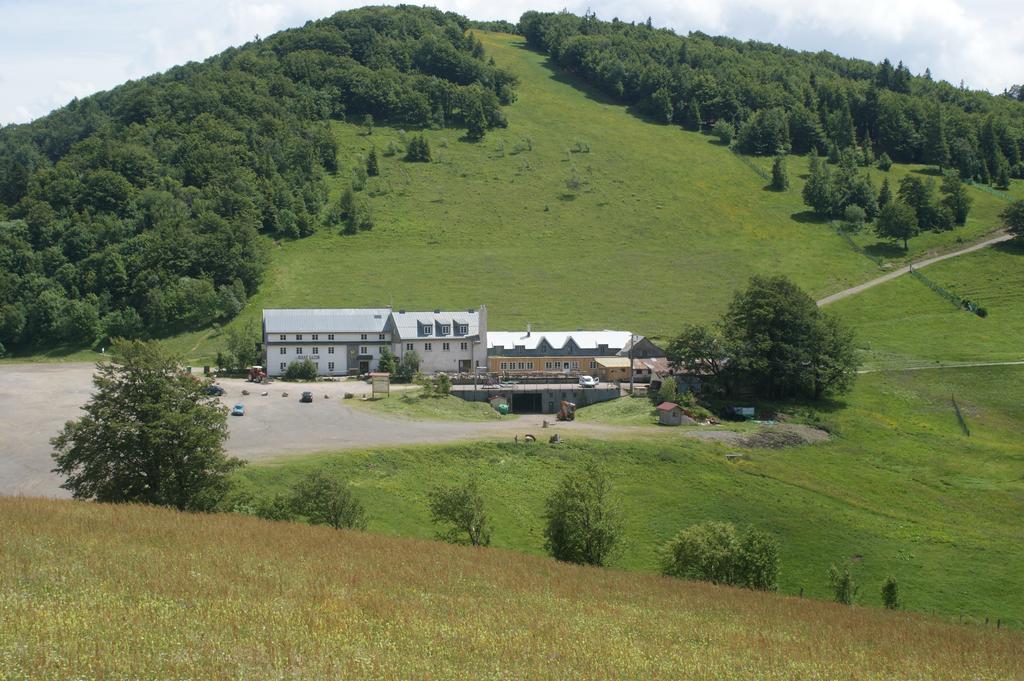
(715, 552)
(418, 150)
(843, 586)
(301, 371)
(667, 392)
(327, 500)
(462, 508)
(724, 131)
(884, 162)
(581, 523)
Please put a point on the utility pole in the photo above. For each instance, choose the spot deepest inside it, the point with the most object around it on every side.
(631, 336)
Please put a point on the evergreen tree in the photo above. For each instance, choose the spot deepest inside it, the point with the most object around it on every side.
(956, 198)
(476, 122)
(936, 148)
(693, 119)
(891, 593)
(885, 194)
(1002, 177)
(1013, 219)
(780, 176)
(867, 151)
(818, 193)
(884, 162)
(372, 167)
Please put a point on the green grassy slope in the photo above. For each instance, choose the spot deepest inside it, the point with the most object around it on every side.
(98, 591)
(898, 490)
(904, 323)
(666, 225)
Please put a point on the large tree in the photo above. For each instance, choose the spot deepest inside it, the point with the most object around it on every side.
(149, 435)
(697, 350)
(780, 341)
(897, 222)
(582, 524)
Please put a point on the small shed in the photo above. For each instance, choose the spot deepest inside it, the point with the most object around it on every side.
(612, 368)
(670, 414)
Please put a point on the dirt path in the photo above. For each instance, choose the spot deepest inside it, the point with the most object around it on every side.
(906, 268)
(955, 365)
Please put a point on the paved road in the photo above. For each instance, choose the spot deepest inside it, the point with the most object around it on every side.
(37, 399)
(917, 265)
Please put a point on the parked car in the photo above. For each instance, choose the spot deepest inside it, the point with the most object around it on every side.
(306, 397)
(213, 390)
(238, 410)
(588, 382)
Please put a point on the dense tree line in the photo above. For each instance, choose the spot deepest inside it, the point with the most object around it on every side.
(783, 100)
(138, 210)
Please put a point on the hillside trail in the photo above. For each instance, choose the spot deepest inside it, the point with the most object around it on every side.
(853, 290)
(931, 367)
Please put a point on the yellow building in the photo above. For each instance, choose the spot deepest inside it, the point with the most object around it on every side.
(598, 353)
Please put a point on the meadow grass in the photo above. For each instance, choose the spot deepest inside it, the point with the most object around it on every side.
(904, 323)
(665, 226)
(98, 591)
(412, 404)
(897, 490)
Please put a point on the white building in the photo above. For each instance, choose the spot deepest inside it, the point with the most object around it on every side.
(340, 341)
(349, 341)
(453, 342)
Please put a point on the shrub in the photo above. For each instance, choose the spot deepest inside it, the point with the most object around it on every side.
(715, 552)
(304, 370)
(581, 523)
(724, 131)
(462, 508)
(667, 392)
(843, 586)
(418, 150)
(884, 162)
(326, 500)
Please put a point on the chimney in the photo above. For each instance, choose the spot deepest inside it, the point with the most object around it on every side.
(529, 329)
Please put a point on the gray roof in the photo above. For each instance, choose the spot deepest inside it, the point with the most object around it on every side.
(587, 340)
(409, 325)
(326, 320)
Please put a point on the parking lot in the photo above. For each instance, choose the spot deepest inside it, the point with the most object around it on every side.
(37, 399)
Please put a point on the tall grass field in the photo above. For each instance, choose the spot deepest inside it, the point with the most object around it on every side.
(115, 592)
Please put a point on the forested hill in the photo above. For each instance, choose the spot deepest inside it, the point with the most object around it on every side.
(784, 100)
(138, 210)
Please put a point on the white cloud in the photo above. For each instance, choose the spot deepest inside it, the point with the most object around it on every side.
(52, 50)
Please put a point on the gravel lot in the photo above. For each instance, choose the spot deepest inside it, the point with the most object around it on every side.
(37, 399)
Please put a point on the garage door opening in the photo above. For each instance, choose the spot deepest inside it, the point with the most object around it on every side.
(526, 403)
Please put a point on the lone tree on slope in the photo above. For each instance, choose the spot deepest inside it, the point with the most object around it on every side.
(149, 435)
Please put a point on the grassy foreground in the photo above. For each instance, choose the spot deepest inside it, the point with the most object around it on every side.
(898, 490)
(95, 591)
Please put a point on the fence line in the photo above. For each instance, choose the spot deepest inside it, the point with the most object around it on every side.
(838, 227)
(956, 300)
(985, 188)
(960, 416)
(753, 166)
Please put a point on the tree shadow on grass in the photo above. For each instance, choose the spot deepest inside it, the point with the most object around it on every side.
(1012, 247)
(885, 249)
(566, 197)
(808, 217)
(933, 172)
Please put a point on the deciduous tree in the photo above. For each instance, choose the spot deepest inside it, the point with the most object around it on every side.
(461, 509)
(582, 523)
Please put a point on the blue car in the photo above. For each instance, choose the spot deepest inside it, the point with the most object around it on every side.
(238, 410)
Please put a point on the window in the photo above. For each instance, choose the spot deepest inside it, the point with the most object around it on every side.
(593, 364)
(298, 350)
(362, 336)
(316, 336)
(446, 346)
(298, 336)
(316, 350)
(284, 336)
(504, 366)
(575, 365)
(427, 347)
(284, 351)
(426, 330)
(408, 346)
(330, 350)
(363, 350)
(284, 365)
(380, 336)
(330, 366)
(462, 329)
(446, 329)
(330, 336)
(522, 365)
(565, 365)
(464, 346)
(529, 365)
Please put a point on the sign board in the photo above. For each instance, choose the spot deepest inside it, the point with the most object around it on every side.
(381, 384)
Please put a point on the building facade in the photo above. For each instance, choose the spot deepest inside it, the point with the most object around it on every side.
(349, 341)
(564, 352)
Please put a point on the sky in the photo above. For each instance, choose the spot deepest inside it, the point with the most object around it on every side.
(54, 50)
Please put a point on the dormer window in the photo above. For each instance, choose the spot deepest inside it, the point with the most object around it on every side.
(446, 329)
(462, 329)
